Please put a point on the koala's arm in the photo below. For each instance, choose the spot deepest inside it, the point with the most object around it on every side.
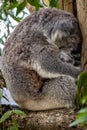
(48, 65)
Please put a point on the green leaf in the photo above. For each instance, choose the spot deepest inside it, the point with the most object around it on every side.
(19, 112)
(53, 3)
(12, 6)
(81, 117)
(5, 116)
(77, 121)
(14, 17)
(81, 96)
(82, 80)
(11, 128)
(20, 7)
(0, 16)
(83, 110)
(84, 90)
(35, 3)
(15, 124)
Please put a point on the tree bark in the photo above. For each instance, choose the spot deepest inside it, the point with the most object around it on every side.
(59, 119)
(68, 6)
(82, 17)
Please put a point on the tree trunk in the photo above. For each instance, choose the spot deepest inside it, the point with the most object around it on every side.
(47, 120)
(66, 5)
(82, 17)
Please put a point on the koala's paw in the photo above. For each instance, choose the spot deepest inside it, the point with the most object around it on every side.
(65, 57)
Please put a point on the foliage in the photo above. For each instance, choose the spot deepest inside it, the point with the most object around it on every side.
(54, 3)
(2, 96)
(35, 3)
(10, 114)
(11, 9)
(81, 100)
(81, 118)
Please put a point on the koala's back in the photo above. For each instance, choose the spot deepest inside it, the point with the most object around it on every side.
(40, 26)
(32, 46)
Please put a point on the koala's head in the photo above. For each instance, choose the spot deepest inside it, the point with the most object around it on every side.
(60, 27)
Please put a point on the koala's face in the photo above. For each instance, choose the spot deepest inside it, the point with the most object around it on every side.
(67, 33)
(70, 44)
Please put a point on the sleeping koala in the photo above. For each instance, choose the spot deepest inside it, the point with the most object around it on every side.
(34, 73)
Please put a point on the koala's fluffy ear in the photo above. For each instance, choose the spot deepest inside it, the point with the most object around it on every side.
(62, 29)
(63, 26)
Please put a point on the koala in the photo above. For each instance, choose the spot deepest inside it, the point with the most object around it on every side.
(34, 73)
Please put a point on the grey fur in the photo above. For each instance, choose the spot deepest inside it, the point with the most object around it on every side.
(34, 73)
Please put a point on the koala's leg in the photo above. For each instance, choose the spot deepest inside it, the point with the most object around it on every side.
(61, 91)
(52, 93)
(55, 93)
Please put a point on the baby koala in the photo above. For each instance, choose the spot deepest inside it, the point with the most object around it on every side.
(34, 73)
